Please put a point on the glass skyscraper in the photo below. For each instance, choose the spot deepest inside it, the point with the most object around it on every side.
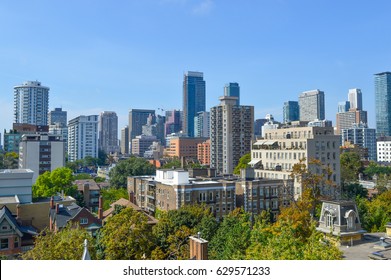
(383, 103)
(193, 99)
(291, 111)
(232, 89)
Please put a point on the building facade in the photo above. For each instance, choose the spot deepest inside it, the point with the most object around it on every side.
(355, 98)
(291, 111)
(362, 136)
(83, 137)
(231, 133)
(173, 122)
(125, 140)
(58, 116)
(194, 99)
(41, 153)
(184, 147)
(12, 138)
(108, 132)
(383, 103)
(203, 153)
(141, 144)
(312, 105)
(172, 189)
(232, 89)
(31, 103)
(137, 118)
(347, 119)
(274, 156)
(202, 124)
(383, 145)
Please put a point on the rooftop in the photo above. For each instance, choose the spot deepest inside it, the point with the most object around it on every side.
(367, 248)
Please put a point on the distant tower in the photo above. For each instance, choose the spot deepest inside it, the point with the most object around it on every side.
(290, 111)
(383, 103)
(232, 89)
(108, 132)
(312, 105)
(355, 98)
(58, 116)
(83, 137)
(202, 124)
(31, 103)
(231, 133)
(193, 99)
(125, 140)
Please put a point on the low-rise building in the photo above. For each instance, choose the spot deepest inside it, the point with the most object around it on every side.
(90, 191)
(17, 184)
(172, 189)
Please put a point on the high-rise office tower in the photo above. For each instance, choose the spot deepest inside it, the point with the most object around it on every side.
(383, 103)
(232, 89)
(58, 116)
(312, 105)
(125, 140)
(193, 99)
(138, 118)
(202, 124)
(343, 106)
(231, 132)
(108, 132)
(355, 98)
(290, 111)
(83, 137)
(173, 122)
(31, 103)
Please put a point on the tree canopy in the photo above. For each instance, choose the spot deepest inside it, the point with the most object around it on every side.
(56, 181)
(131, 167)
(351, 166)
(66, 244)
(125, 236)
(243, 163)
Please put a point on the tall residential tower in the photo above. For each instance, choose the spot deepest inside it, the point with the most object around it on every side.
(312, 105)
(31, 103)
(193, 99)
(383, 103)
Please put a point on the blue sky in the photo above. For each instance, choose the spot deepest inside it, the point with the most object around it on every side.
(117, 55)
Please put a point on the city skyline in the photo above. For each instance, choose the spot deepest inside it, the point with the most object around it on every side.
(90, 66)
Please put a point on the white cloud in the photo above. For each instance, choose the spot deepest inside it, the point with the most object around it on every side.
(203, 8)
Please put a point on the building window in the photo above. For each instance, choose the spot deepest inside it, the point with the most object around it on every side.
(4, 243)
(83, 221)
(351, 221)
(329, 220)
(187, 196)
(210, 196)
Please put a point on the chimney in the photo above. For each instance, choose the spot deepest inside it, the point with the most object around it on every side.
(198, 248)
(18, 212)
(57, 208)
(51, 203)
(100, 209)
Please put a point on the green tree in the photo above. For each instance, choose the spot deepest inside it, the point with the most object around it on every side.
(173, 163)
(51, 183)
(375, 213)
(376, 169)
(351, 166)
(67, 244)
(175, 226)
(232, 237)
(131, 167)
(111, 195)
(10, 160)
(243, 163)
(125, 236)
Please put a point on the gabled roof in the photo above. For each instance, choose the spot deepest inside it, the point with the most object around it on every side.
(65, 213)
(5, 213)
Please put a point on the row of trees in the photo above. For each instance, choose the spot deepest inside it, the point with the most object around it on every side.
(238, 236)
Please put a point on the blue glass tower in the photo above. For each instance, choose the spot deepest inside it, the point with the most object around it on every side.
(232, 89)
(193, 99)
(291, 111)
(383, 103)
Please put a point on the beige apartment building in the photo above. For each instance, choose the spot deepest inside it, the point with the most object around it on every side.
(259, 194)
(172, 189)
(275, 155)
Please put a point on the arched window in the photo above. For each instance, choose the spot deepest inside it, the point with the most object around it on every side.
(329, 219)
(350, 220)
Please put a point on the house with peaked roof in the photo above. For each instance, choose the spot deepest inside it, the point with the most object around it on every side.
(60, 216)
(14, 237)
